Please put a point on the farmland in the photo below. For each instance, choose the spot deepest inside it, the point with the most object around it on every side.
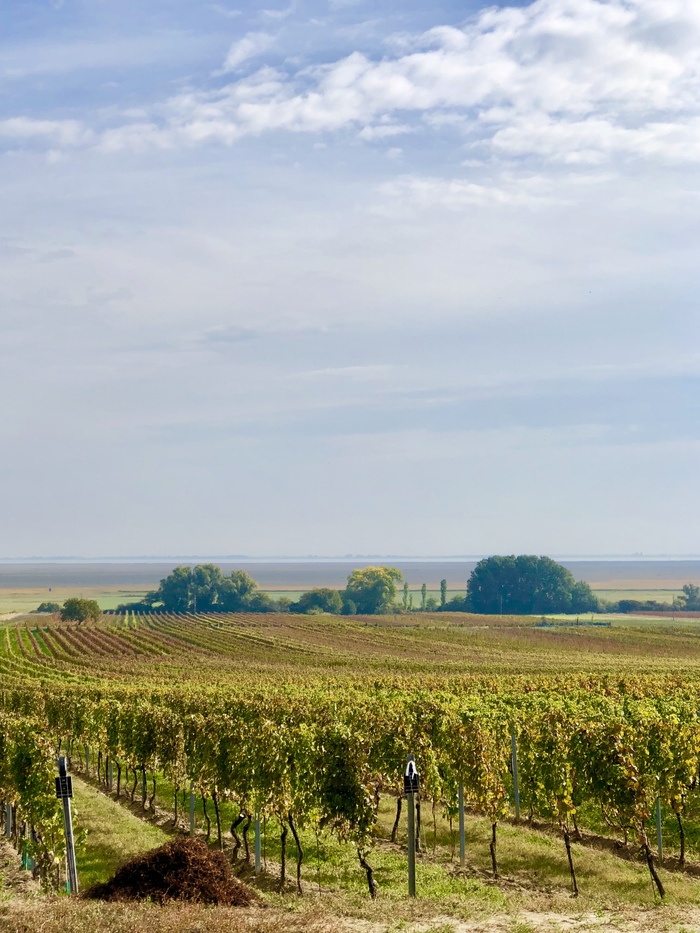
(24, 585)
(261, 712)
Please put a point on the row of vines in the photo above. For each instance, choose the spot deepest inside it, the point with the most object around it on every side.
(320, 757)
(31, 814)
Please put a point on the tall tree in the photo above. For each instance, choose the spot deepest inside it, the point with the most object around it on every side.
(691, 596)
(205, 587)
(443, 592)
(175, 590)
(373, 589)
(238, 592)
(526, 584)
(423, 596)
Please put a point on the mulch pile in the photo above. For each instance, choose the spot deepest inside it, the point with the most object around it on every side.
(183, 869)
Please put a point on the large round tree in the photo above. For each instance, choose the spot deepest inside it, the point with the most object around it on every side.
(525, 585)
(372, 589)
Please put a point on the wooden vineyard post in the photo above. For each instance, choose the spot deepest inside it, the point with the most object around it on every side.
(8, 819)
(193, 802)
(144, 788)
(64, 792)
(659, 832)
(462, 854)
(110, 777)
(514, 758)
(257, 843)
(87, 761)
(410, 789)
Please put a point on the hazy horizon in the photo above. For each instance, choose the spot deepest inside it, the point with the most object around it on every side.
(339, 558)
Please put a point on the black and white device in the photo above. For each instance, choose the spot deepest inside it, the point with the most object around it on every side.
(64, 792)
(64, 782)
(411, 783)
(410, 789)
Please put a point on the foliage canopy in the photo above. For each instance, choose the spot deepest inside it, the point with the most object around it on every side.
(80, 610)
(205, 588)
(526, 585)
(319, 600)
(48, 607)
(373, 589)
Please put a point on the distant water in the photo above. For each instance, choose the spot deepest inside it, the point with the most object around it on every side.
(294, 575)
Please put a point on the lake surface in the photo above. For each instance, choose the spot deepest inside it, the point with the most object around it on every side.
(294, 575)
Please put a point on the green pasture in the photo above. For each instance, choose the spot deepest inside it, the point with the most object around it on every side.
(27, 599)
(13, 600)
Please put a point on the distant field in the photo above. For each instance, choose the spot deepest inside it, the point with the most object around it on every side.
(24, 585)
(25, 599)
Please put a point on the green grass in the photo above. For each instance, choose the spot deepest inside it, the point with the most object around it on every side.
(109, 833)
(15, 599)
(532, 863)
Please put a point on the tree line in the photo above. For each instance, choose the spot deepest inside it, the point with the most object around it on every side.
(512, 585)
(498, 585)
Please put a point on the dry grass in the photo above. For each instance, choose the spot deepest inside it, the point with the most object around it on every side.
(58, 915)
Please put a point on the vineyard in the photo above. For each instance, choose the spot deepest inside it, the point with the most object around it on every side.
(305, 723)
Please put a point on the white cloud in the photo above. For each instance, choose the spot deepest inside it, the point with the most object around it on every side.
(56, 132)
(225, 11)
(410, 193)
(278, 14)
(250, 46)
(383, 131)
(578, 82)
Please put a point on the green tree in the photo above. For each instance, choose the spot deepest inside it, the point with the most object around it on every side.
(175, 590)
(373, 589)
(692, 597)
(47, 607)
(456, 604)
(204, 588)
(525, 585)
(423, 596)
(80, 610)
(319, 600)
(405, 594)
(238, 591)
(259, 602)
(583, 599)
(206, 582)
(443, 592)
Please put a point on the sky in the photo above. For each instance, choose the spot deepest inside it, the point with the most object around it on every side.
(343, 277)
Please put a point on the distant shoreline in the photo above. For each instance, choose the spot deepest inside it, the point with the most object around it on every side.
(25, 584)
(342, 559)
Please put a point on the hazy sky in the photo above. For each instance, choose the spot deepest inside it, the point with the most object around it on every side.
(345, 277)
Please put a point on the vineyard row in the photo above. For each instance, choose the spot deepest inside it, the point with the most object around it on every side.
(321, 759)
